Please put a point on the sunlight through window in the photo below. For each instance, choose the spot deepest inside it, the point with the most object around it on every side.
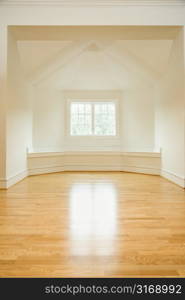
(93, 218)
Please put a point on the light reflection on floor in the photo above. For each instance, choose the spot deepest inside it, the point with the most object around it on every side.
(93, 219)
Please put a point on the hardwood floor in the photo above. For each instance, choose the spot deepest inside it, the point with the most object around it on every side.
(92, 224)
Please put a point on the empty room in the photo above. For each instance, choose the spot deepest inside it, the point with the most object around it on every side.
(92, 150)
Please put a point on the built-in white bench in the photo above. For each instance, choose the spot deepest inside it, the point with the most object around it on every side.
(140, 162)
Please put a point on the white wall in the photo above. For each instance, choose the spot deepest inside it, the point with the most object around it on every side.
(93, 15)
(50, 124)
(135, 117)
(170, 126)
(3, 66)
(184, 99)
(138, 120)
(19, 116)
(48, 15)
(48, 120)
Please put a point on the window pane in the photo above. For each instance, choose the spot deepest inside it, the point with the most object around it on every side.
(104, 119)
(81, 119)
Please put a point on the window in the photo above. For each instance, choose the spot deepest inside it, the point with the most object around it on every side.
(93, 119)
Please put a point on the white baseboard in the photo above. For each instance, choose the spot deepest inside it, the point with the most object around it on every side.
(2, 183)
(5, 183)
(173, 177)
(134, 169)
(142, 170)
(45, 170)
(43, 163)
(54, 169)
(92, 168)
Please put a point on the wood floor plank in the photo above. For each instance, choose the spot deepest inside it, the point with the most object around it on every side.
(92, 224)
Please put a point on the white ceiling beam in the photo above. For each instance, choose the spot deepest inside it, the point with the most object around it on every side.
(101, 33)
(93, 2)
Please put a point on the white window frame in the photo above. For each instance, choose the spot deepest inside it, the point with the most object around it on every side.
(92, 100)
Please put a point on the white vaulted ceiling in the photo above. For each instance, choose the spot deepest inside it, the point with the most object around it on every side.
(91, 70)
(34, 54)
(119, 64)
(153, 53)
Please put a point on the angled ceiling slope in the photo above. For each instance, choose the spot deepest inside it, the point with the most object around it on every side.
(35, 54)
(68, 60)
